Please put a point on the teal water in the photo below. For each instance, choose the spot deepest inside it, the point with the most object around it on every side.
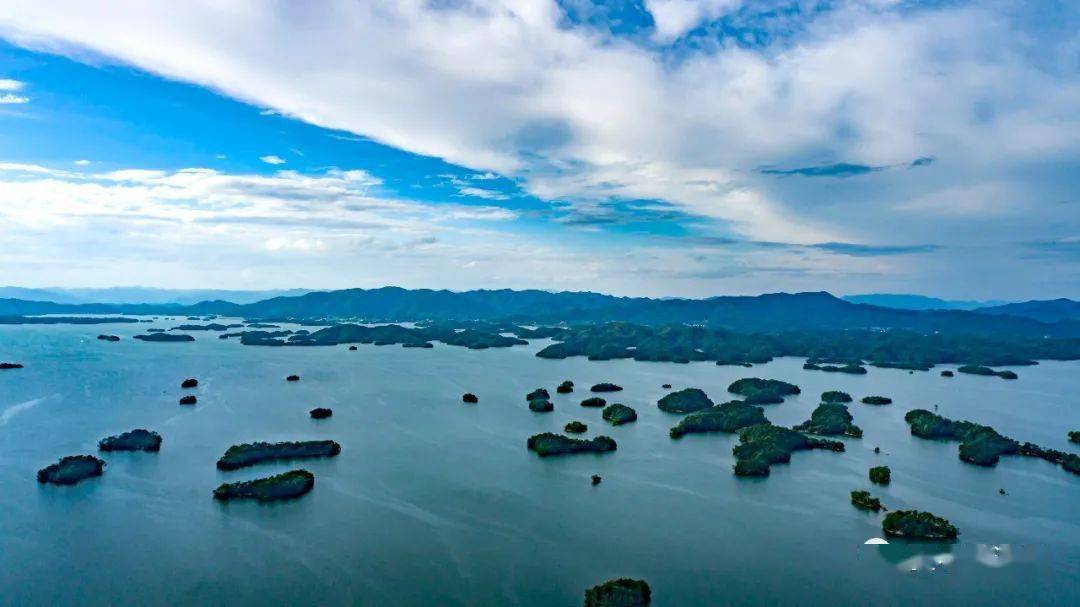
(436, 502)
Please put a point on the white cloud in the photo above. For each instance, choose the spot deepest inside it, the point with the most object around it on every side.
(9, 85)
(673, 18)
(12, 99)
(272, 159)
(82, 162)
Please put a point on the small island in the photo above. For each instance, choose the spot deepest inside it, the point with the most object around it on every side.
(470, 398)
(249, 454)
(623, 592)
(190, 399)
(71, 469)
(1074, 436)
(728, 417)
(880, 475)
(915, 525)
(575, 427)
(757, 391)
(321, 413)
(830, 419)
(762, 445)
(165, 337)
(979, 370)
(947, 373)
(11, 366)
(541, 405)
(293, 378)
(596, 479)
(850, 369)
(864, 501)
(687, 400)
(190, 382)
(835, 396)
(619, 414)
(876, 400)
(539, 393)
(278, 487)
(606, 387)
(593, 401)
(104, 337)
(549, 443)
(565, 388)
(135, 440)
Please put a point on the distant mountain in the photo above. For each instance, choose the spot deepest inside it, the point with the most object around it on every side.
(1051, 310)
(906, 301)
(142, 295)
(768, 313)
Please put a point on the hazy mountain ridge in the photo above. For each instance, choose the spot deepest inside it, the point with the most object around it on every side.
(1050, 310)
(142, 295)
(909, 301)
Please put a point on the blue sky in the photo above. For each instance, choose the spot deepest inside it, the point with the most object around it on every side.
(665, 147)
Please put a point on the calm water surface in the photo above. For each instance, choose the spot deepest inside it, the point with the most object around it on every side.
(436, 502)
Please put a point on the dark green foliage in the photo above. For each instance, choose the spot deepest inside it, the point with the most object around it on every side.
(876, 400)
(762, 445)
(619, 414)
(549, 443)
(71, 469)
(912, 524)
(566, 387)
(1069, 461)
(596, 479)
(593, 401)
(849, 369)
(541, 405)
(470, 398)
(210, 327)
(190, 382)
(749, 386)
(538, 394)
(320, 413)
(864, 501)
(278, 487)
(135, 440)
(978, 370)
(835, 396)
(384, 335)
(880, 475)
(685, 401)
(575, 427)
(908, 366)
(764, 397)
(727, 417)
(1074, 436)
(293, 378)
(623, 592)
(190, 399)
(6, 365)
(606, 387)
(830, 419)
(422, 344)
(164, 337)
(947, 373)
(108, 337)
(248, 454)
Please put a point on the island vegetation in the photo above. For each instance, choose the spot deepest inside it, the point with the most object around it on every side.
(321, 413)
(731, 416)
(249, 454)
(541, 405)
(549, 444)
(104, 337)
(947, 373)
(593, 401)
(71, 469)
(835, 396)
(687, 400)
(757, 391)
(208, 327)
(293, 378)
(288, 485)
(596, 479)
(830, 419)
(470, 398)
(907, 366)
(189, 399)
(606, 387)
(190, 382)
(575, 427)
(980, 370)
(165, 337)
(864, 501)
(1074, 436)
(915, 525)
(762, 445)
(6, 365)
(880, 475)
(618, 414)
(565, 388)
(849, 369)
(622, 592)
(876, 400)
(134, 440)
(539, 393)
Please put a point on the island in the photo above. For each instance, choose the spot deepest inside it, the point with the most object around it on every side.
(565, 388)
(190, 382)
(596, 479)
(835, 396)
(623, 592)
(190, 399)
(619, 414)
(1074, 436)
(687, 400)
(249, 454)
(593, 401)
(907, 366)
(549, 444)
(284, 486)
(880, 475)
(539, 393)
(830, 419)
(104, 337)
(320, 413)
(666, 386)
(947, 373)
(575, 427)
(915, 525)
(165, 337)
(757, 391)
(731, 416)
(849, 369)
(293, 378)
(606, 387)
(876, 400)
(422, 344)
(541, 405)
(864, 501)
(979, 370)
(71, 469)
(11, 366)
(762, 445)
(470, 398)
(353, 348)
(210, 327)
(134, 440)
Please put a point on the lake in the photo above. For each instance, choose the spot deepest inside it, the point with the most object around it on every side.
(435, 502)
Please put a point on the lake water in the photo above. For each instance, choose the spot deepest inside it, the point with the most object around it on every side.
(436, 502)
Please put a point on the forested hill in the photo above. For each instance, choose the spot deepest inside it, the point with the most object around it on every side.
(763, 313)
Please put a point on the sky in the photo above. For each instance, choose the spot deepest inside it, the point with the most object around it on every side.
(637, 147)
